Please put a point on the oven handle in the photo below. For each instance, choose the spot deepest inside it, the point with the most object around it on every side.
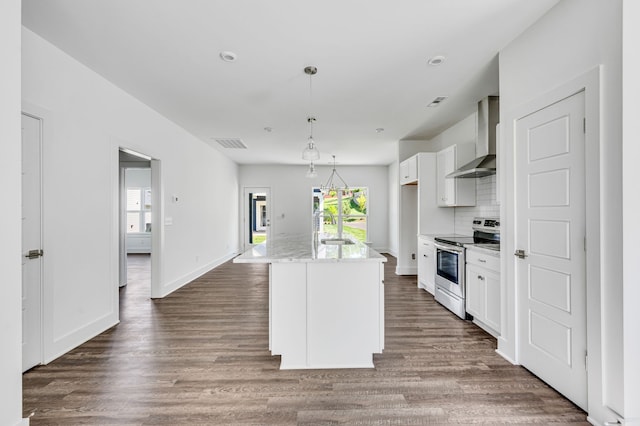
(457, 250)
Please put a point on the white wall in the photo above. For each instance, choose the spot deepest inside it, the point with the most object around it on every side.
(571, 40)
(464, 131)
(10, 222)
(89, 119)
(291, 196)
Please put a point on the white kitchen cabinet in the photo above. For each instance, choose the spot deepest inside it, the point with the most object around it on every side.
(483, 289)
(409, 171)
(452, 192)
(325, 314)
(139, 242)
(426, 264)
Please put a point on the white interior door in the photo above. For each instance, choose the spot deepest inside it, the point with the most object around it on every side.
(550, 230)
(257, 216)
(31, 243)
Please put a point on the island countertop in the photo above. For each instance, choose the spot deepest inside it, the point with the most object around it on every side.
(306, 248)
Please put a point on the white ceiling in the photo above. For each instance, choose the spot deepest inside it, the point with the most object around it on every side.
(371, 57)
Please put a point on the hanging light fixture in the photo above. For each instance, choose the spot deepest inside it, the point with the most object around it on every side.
(311, 173)
(311, 151)
(330, 185)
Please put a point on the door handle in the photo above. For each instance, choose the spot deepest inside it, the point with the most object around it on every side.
(520, 253)
(480, 277)
(34, 254)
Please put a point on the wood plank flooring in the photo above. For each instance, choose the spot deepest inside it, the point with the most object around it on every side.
(200, 356)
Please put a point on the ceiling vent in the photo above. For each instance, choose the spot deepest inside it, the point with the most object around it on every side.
(231, 143)
(437, 101)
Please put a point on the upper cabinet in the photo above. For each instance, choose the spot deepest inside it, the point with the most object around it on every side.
(409, 171)
(453, 192)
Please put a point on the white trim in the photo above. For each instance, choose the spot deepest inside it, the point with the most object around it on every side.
(157, 229)
(187, 278)
(406, 270)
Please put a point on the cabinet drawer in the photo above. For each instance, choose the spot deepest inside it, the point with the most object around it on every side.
(425, 243)
(484, 260)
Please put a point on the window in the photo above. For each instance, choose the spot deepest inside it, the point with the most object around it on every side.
(343, 207)
(138, 210)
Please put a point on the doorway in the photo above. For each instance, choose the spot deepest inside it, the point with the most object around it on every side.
(138, 214)
(32, 334)
(257, 216)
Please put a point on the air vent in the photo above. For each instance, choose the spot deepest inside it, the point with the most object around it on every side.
(437, 101)
(231, 143)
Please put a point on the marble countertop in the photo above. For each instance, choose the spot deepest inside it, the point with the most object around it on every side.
(303, 248)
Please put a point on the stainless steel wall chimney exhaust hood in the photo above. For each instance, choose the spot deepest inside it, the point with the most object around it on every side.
(485, 162)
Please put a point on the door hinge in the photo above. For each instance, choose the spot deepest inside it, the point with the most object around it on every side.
(584, 125)
(520, 253)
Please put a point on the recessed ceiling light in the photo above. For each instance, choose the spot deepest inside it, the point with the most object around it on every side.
(228, 56)
(436, 60)
(437, 101)
(379, 130)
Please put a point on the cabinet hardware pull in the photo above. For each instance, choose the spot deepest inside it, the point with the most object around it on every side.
(482, 261)
(480, 277)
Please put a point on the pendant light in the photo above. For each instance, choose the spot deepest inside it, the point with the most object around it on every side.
(330, 185)
(311, 151)
(311, 173)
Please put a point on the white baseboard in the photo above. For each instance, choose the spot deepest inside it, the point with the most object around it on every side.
(392, 253)
(503, 355)
(406, 270)
(74, 338)
(169, 288)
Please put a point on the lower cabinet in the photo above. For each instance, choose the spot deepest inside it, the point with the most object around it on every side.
(426, 264)
(139, 243)
(483, 290)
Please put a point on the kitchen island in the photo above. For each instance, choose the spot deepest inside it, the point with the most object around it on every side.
(326, 300)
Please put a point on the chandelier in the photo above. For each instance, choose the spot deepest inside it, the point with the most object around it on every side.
(331, 185)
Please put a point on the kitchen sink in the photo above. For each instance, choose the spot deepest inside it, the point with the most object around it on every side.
(336, 241)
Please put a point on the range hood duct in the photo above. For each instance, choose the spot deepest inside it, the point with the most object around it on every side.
(485, 162)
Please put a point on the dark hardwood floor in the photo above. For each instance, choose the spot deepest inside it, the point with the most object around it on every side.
(200, 356)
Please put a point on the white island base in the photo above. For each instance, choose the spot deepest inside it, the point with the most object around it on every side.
(326, 314)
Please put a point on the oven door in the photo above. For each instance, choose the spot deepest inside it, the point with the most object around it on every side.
(450, 269)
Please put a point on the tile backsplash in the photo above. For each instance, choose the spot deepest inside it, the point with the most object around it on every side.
(486, 205)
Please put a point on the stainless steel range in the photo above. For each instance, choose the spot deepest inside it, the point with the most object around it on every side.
(450, 261)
